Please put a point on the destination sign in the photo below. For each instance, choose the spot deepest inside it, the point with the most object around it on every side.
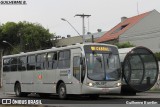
(99, 48)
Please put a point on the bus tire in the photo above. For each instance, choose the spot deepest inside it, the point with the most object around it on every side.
(62, 91)
(18, 92)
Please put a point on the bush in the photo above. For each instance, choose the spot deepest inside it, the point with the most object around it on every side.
(124, 45)
(157, 54)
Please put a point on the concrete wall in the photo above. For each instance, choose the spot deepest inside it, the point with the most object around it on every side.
(69, 41)
(78, 39)
(145, 33)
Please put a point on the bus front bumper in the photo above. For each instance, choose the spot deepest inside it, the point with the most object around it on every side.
(96, 90)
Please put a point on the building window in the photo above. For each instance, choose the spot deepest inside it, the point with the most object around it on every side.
(120, 28)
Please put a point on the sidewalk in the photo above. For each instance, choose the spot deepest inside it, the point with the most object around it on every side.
(150, 91)
(1, 91)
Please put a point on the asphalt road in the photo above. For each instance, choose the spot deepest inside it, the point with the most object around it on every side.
(145, 98)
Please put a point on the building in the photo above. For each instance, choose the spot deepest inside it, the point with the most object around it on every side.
(78, 39)
(94, 36)
(140, 30)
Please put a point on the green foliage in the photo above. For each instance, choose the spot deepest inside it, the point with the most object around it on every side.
(124, 45)
(8, 32)
(157, 54)
(24, 36)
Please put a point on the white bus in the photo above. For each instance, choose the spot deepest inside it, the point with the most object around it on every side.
(90, 69)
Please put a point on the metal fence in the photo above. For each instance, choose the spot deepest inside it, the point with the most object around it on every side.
(157, 85)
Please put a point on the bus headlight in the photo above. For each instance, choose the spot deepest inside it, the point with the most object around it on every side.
(90, 84)
(118, 84)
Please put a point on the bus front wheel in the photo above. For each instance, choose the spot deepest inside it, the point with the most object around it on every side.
(62, 91)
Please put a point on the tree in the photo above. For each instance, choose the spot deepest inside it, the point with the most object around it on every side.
(24, 36)
(7, 33)
(34, 36)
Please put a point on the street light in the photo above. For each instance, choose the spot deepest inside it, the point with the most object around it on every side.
(72, 26)
(10, 45)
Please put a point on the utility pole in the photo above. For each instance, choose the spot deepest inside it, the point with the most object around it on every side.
(83, 26)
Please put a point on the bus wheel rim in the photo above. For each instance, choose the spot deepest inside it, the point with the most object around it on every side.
(62, 91)
(17, 91)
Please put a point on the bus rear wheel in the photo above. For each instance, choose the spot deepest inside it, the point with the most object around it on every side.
(62, 91)
(18, 90)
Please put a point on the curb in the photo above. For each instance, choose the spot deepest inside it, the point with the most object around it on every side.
(152, 92)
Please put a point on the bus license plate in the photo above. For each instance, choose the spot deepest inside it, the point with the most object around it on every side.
(105, 90)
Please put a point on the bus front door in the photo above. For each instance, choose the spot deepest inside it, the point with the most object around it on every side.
(140, 70)
(76, 80)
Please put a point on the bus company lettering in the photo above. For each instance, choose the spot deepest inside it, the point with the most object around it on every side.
(20, 101)
(99, 48)
(34, 102)
(63, 73)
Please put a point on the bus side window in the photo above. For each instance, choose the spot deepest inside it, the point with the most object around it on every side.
(6, 65)
(31, 62)
(55, 60)
(14, 63)
(41, 61)
(22, 63)
(76, 67)
(64, 59)
(52, 60)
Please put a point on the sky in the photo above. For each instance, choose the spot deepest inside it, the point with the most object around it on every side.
(105, 14)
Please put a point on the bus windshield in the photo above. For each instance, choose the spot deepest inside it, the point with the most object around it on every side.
(103, 66)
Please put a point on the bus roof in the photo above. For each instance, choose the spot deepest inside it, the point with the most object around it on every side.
(77, 45)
